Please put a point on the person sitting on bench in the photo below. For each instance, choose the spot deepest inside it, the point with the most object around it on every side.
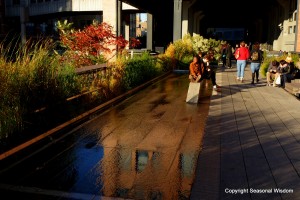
(196, 71)
(271, 73)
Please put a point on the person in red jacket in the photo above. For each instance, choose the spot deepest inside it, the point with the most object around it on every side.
(242, 54)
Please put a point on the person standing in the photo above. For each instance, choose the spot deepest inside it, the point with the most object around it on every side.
(256, 60)
(228, 55)
(224, 52)
(242, 55)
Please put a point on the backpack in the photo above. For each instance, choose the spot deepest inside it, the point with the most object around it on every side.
(255, 56)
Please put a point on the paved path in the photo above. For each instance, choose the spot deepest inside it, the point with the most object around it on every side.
(251, 141)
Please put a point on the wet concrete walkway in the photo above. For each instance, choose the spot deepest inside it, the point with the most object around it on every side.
(251, 147)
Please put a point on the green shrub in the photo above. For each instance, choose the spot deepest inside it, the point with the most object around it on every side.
(164, 63)
(181, 51)
(32, 79)
(139, 70)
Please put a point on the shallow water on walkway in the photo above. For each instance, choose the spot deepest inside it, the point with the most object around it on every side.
(143, 148)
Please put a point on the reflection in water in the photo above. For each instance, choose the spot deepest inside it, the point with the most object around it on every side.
(151, 153)
(144, 148)
(141, 160)
(145, 174)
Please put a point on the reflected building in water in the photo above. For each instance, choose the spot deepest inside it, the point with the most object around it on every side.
(149, 171)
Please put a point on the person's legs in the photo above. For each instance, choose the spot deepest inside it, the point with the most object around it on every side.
(268, 78)
(228, 60)
(272, 77)
(257, 72)
(238, 69)
(252, 67)
(224, 61)
(191, 79)
(243, 65)
(283, 80)
(213, 78)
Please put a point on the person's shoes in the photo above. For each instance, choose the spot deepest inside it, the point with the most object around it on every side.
(257, 80)
(241, 79)
(252, 82)
(216, 88)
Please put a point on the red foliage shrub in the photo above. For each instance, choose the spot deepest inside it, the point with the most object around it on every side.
(91, 42)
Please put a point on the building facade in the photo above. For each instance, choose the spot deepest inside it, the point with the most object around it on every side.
(39, 17)
(283, 24)
(280, 30)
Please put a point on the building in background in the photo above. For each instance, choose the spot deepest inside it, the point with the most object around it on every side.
(278, 27)
(141, 25)
(40, 16)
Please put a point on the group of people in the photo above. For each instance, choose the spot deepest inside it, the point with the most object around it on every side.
(200, 66)
(227, 52)
(279, 72)
(201, 69)
(243, 55)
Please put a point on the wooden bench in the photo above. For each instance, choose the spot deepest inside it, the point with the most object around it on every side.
(293, 87)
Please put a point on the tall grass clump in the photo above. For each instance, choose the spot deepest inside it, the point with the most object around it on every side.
(32, 76)
(138, 70)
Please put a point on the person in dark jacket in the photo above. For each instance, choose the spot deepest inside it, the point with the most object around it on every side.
(282, 69)
(224, 55)
(228, 55)
(291, 70)
(210, 63)
(256, 60)
(271, 72)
